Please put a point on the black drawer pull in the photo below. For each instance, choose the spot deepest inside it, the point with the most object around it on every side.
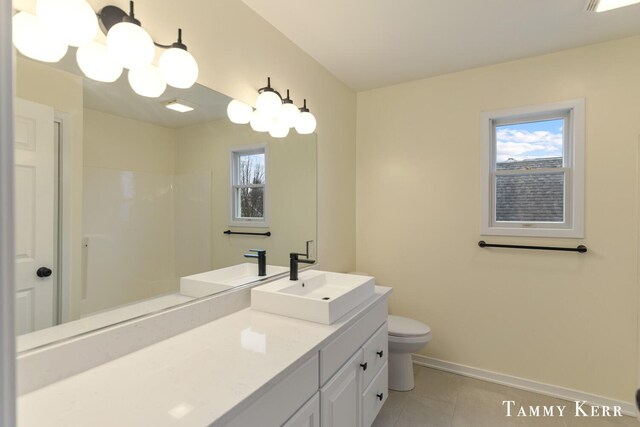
(380, 353)
(380, 396)
(364, 366)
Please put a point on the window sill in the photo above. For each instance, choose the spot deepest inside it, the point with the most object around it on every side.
(251, 224)
(570, 233)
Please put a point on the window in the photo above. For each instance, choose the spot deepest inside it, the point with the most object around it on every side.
(533, 171)
(249, 186)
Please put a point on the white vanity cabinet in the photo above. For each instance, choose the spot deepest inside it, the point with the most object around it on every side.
(352, 393)
(344, 384)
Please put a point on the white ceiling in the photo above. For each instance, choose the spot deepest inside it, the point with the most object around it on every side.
(375, 43)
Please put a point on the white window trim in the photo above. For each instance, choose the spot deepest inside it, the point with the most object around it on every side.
(575, 208)
(233, 222)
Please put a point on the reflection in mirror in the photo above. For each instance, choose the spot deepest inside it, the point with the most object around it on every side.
(118, 197)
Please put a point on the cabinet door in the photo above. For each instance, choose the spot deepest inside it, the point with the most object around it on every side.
(308, 415)
(340, 397)
(374, 397)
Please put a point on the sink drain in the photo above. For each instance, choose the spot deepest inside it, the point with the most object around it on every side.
(326, 298)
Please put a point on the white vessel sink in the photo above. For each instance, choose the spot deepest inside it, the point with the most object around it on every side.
(317, 296)
(211, 282)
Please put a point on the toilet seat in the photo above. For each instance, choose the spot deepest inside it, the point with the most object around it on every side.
(399, 326)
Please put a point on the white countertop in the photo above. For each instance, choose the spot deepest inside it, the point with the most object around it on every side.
(98, 320)
(192, 379)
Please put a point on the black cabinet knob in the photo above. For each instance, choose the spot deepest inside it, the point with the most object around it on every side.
(364, 366)
(380, 396)
(380, 353)
(43, 272)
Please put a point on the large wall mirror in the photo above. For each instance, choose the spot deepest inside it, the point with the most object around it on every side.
(118, 197)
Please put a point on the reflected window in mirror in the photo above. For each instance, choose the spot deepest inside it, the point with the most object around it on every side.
(249, 186)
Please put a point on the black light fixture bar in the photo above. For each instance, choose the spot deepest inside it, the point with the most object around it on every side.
(581, 248)
(112, 15)
(268, 88)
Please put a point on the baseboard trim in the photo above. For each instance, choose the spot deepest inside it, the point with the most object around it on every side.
(627, 408)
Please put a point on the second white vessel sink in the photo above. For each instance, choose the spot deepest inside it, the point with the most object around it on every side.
(211, 282)
(317, 296)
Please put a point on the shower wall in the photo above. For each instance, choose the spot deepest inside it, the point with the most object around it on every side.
(143, 225)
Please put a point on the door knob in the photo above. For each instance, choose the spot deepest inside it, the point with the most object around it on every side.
(364, 366)
(43, 272)
(380, 353)
(380, 396)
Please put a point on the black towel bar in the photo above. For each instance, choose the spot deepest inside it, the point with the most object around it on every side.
(268, 233)
(581, 248)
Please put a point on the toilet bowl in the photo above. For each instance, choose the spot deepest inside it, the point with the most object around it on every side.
(406, 336)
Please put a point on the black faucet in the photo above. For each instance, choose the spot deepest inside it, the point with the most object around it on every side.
(261, 254)
(293, 264)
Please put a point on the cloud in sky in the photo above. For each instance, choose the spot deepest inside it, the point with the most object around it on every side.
(519, 143)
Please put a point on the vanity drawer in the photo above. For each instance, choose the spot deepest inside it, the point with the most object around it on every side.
(283, 400)
(374, 397)
(375, 354)
(333, 356)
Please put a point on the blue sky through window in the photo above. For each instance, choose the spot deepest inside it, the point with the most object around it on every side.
(534, 140)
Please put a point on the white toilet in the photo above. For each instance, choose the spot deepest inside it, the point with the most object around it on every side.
(406, 336)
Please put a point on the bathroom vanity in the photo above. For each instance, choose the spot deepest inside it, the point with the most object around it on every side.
(248, 368)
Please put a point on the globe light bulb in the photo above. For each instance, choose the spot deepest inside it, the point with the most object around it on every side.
(306, 123)
(260, 122)
(179, 68)
(269, 103)
(34, 40)
(147, 81)
(289, 114)
(74, 21)
(130, 45)
(96, 63)
(278, 128)
(239, 112)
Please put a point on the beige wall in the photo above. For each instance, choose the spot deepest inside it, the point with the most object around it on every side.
(237, 50)
(291, 197)
(558, 318)
(115, 142)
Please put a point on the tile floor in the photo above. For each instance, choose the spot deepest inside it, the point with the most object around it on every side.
(444, 399)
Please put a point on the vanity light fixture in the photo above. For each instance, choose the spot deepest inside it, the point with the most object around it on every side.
(127, 42)
(34, 40)
(604, 5)
(273, 114)
(306, 122)
(74, 21)
(179, 68)
(290, 111)
(179, 106)
(239, 112)
(269, 101)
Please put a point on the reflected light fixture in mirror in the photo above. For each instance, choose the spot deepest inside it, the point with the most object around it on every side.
(179, 106)
(96, 63)
(147, 81)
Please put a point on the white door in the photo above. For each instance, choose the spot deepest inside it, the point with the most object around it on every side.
(34, 197)
(340, 397)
